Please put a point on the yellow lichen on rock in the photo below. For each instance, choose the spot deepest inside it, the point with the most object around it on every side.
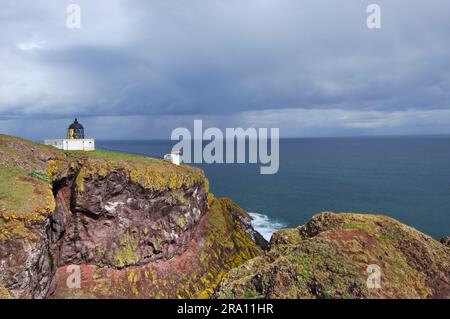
(126, 255)
(152, 174)
(4, 293)
(226, 246)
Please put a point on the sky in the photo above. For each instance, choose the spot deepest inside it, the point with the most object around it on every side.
(139, 69)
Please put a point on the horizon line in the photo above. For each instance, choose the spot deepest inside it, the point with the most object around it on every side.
(286, 137)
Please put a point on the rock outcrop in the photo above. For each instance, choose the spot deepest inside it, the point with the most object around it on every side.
(127, 226)
(345, 256)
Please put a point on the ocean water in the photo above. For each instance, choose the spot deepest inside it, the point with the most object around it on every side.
(407, 178)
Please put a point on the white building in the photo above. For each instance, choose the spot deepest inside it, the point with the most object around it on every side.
(75, 140)
(174, 157)
(85, 144)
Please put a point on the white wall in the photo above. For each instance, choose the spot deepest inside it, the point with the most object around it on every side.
(56, 143)
(87, 144)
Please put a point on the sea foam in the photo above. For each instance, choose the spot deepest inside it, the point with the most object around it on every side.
(265, 225)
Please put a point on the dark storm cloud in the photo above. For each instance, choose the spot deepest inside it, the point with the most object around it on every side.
(210, 58)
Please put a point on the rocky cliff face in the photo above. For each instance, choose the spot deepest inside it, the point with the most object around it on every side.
(343, 256)
(127, 225)
(133, 227)
(117, 223)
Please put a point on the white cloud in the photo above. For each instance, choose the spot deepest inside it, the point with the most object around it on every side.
(31, 45)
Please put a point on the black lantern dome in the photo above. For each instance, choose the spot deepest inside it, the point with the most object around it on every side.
(76, 130)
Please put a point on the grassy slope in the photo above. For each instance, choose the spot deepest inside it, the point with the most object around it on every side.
(25, 188)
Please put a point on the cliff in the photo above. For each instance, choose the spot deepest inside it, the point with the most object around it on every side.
(136, 227)
(329, 257)
(133, 227)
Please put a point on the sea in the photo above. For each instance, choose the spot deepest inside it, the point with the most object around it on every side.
(407, 178)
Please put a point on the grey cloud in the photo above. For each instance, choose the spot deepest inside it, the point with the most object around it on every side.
(210, 58)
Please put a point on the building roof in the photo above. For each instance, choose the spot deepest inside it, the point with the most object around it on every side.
(76, 126)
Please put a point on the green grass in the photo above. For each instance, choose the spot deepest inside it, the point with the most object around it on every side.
(41, 176)
(14, 194)
(102, 154)
(306, 265)
(22, 193)
(248, 294)
(17, 152)
(356, 226)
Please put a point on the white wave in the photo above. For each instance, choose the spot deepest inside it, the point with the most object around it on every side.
(264, 225)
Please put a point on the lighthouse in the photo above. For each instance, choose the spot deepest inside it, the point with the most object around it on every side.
(75, 131)
(75, 140)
